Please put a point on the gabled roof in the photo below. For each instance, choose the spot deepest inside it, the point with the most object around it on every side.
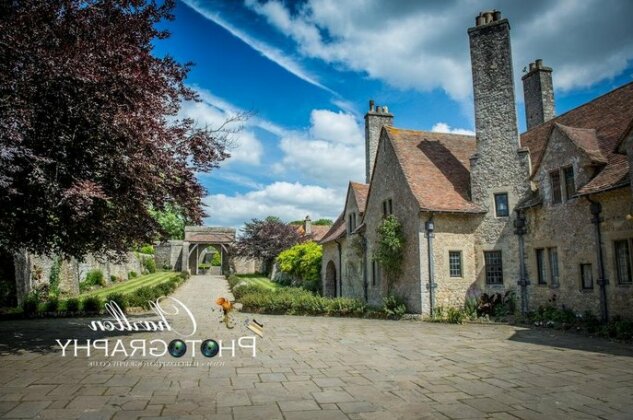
(336, 231)
(360, 194)
(615, 174)
(437, 168)
(597, 127)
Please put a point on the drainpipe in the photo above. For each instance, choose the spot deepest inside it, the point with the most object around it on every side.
(339, 281)
(365, 280)
(520, 230)
(596, 210)
(430, 227)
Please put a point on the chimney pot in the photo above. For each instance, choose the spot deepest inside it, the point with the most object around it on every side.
(539, 63)
(385, 109)
(497, 15)
(532, 66)
(371, 105)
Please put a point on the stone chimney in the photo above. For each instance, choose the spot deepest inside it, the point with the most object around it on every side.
(375, 119)
(497, 163)
(307, 226)
(538, 94)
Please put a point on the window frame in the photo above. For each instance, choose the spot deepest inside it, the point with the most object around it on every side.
(498, 271)
(569, 195)
(459, 270)
(507, 204)
(583, 283)
(387, 207)
(556, 193)
(629, 262)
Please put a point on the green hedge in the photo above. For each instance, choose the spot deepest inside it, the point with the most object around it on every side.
(303, 263)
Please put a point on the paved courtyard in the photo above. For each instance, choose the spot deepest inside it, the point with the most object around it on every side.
(314, 368)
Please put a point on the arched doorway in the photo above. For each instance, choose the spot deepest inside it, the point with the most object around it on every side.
(196, 245)
(330, 279)
(210, 260)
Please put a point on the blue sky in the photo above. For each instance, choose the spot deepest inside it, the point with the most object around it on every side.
(306, 71)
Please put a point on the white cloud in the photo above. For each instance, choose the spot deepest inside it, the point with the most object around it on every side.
(212, 112)
(289, 201)
(271, 53)
(332, 150)
(424, 45)
(441, 127)
(334, 127)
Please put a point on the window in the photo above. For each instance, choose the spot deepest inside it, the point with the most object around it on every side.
(352, 223)
(494, 268)
(501, 205)
(375, 273)
(570, 183)
(555, 184)
(540, 266)
(553, 266)
(623, 261)
(455, 263)
(387, 207)
(586, 276)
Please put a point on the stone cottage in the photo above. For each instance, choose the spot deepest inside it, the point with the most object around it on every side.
(546, 213)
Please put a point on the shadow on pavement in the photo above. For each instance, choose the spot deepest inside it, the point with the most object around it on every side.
(571, 341)
(40, 335)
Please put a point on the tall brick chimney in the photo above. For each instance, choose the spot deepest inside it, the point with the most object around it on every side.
(375, 119)
(497, 163)
(538, 94)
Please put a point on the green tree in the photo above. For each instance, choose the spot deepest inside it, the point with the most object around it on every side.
(323, 222)
(303, 262)
(172, 222)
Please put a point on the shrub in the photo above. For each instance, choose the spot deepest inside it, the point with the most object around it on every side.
(204, 266)
(470, 308)
(142, 297)
(249, 289)
(29, 305)
(216, 260)
(303, 263)
(120, 299)
(234, 281)
(92, 304)
(454, 316)
(132, 275)
(147, 249)
(390, 248)
(94, 278)
(52, 305)
(394, 306)
(149, 265)
(72, 305)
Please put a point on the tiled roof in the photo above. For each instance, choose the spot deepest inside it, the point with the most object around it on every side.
(336, 231)
(437, 168)
(609, 116)
(318, 232)
(585, 139)
(614, 175)
(360, 194)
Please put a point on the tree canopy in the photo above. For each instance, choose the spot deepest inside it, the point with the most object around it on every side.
(89, 140)
(265, 239)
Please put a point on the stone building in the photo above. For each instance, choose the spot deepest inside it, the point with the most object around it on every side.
(545, 214)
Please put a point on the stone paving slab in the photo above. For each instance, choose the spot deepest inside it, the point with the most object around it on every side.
(314, 368)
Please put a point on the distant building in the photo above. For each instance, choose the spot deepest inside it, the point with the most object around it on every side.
(546, 213)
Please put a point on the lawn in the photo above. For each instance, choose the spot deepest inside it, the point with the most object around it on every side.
(129, 286)
(259, 280)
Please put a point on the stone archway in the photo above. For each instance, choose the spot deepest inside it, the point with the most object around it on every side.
(198, 238)
(330, 279)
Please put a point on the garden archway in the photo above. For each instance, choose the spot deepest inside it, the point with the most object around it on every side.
(198, 239)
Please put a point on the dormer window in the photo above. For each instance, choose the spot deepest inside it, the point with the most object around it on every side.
(570, 183)
(501, 205)
(554, 178)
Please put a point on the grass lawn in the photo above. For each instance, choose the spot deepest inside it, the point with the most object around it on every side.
(259, 280)
(131, 285)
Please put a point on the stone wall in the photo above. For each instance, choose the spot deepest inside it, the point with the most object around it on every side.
(353, 261)
(243, 265)
(168, 255)
(391, 184)
(33, 271)
(330, 255)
